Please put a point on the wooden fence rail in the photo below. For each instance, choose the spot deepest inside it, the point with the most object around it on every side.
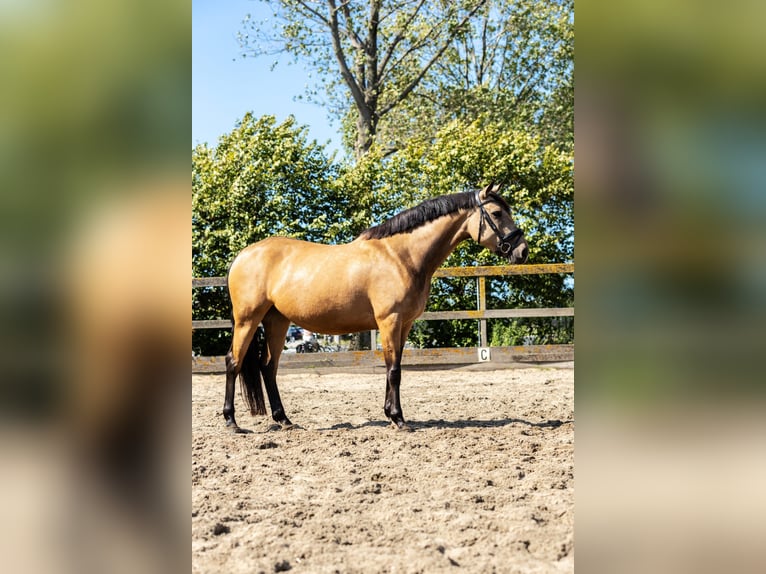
(479, 271)
(551, 352)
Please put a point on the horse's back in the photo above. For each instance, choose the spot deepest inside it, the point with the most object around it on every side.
(275, 254)
(258, 265)
(322, 287)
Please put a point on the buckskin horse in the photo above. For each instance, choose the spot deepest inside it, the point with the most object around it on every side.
(381, 280)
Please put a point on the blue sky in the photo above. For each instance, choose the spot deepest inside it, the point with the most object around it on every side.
(225, 86)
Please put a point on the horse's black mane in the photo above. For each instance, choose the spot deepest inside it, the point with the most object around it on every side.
(414, 217)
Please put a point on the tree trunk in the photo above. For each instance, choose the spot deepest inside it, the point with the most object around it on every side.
(365, 131)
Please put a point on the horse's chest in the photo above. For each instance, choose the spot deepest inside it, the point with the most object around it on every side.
(412, 302)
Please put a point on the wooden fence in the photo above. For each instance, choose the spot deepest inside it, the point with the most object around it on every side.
(445, 356)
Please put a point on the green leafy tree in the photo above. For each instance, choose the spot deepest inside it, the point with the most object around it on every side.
(410, 66)
(512, 63)
(540, 189)
(377, 51)
(262, 179)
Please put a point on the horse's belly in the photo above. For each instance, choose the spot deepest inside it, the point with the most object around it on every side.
(334, 313)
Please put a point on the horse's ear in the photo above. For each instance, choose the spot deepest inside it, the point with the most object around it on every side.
(496, 188)
(484, 193)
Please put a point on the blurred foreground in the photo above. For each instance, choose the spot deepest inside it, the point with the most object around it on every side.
(97, 479)
(94, 293)
(671, 260)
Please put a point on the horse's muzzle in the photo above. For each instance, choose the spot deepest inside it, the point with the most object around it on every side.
(513, 246)
(519, 254)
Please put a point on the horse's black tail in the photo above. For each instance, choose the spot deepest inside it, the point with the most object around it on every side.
(250, 376)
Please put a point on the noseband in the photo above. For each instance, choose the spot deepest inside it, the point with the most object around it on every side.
(505, 243)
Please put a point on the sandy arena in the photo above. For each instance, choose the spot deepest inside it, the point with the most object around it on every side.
(485, 483)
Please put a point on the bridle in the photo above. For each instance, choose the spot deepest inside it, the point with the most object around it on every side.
(505, 243)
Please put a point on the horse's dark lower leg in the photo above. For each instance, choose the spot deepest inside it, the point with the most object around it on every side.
(228, 402)
(241, 339)
(270, 382)
(392, 351)
(276, 326)
(393, 406)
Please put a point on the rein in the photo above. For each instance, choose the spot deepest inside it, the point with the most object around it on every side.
(504, 242)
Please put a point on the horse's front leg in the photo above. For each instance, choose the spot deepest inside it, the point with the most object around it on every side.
(393, 344)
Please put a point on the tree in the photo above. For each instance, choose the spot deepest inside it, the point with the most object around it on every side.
(512, 62)
(379, 51)
(261, 179)
(412, 66)
(540, 188)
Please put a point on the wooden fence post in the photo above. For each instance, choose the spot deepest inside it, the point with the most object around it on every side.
(481, 293)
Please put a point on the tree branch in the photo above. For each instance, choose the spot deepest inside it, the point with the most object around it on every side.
(351, 33)
(423, 41)
(371, 53)
(398, 38)
(340, 56)
(313, 11)
(483, 60)
(415, 81)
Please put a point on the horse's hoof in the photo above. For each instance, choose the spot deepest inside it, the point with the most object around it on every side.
(282, 426)
(234, 429)
(401, 426)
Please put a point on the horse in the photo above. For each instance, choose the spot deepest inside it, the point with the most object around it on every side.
(380, 280)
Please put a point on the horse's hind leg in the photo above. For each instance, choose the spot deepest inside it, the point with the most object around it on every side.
(241, 338)
(276, 326)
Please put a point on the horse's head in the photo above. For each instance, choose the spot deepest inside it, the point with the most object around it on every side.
(492, 226)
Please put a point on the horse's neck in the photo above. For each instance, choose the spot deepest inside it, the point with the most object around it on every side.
(428, 246)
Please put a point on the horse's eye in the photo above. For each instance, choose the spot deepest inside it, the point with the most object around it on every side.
(497, 213)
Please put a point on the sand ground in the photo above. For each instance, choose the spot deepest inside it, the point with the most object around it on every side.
(485, 483)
